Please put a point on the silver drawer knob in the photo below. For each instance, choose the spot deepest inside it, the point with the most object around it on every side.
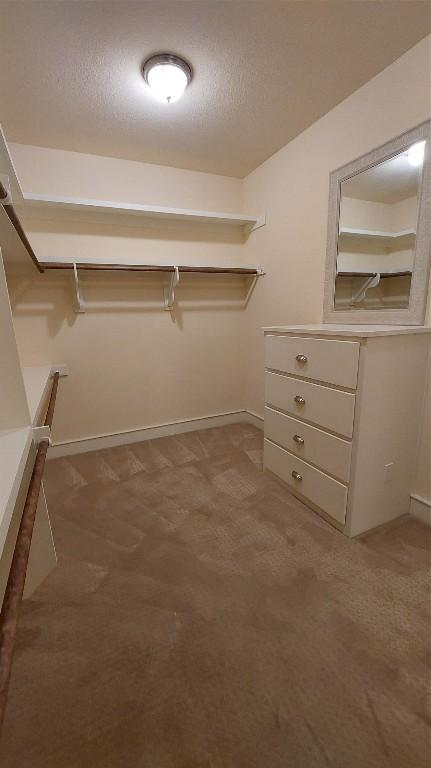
(298, 439)
(302, 358)
(296, 475)
(298, 399)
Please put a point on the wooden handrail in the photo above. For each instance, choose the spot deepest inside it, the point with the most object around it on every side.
(13, 218)
(51, 405)
(15, 585)
(152, 268)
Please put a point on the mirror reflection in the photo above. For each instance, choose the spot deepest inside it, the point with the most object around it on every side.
(377, 233)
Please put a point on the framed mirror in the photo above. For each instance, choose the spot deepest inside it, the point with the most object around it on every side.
(379, 234)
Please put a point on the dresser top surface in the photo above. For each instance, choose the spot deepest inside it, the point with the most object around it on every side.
(356, 331)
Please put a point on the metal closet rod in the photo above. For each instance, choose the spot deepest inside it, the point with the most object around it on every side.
(13, 218)
(153, 268)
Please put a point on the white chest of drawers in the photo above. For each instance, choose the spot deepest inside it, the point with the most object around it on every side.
(343, 408)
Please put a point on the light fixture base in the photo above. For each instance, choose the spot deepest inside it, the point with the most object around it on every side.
(166, 58)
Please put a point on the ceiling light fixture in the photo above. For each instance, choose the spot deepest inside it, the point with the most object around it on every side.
(167, 76)
(415, 154)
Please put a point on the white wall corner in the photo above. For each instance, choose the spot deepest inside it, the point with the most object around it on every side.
(420, 508)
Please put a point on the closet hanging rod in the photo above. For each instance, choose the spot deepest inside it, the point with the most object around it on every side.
(153, 268)
(15, 584)
(13, 218)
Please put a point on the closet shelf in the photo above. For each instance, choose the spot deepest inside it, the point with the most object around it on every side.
(249, 222)
(371, 234)
(14, 449)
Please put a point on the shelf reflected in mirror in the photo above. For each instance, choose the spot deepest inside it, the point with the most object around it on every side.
(377, 233)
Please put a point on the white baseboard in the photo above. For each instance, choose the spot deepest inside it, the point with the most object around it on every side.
(420, 508)
(98, 442)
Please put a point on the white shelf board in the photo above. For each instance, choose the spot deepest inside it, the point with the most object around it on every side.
(360, 331)
(376, 234)
(14, 449)
(37, 383)
(32, 199)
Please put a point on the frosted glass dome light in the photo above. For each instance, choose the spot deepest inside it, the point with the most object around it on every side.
(167, 76)
(415, 154)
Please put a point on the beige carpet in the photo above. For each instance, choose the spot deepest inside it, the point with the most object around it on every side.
(200, 617)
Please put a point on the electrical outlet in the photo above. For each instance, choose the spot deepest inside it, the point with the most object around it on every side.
(389, 471)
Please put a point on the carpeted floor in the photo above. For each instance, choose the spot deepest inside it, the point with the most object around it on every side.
(201, 617)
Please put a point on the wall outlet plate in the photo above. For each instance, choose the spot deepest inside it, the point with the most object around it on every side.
(389, 471)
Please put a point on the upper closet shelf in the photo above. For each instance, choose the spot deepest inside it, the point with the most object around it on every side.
(248, 222)
(374, 234)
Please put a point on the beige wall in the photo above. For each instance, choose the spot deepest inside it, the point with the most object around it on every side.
(132, 364)
(103, 178)
(383, 217)
(292, 187)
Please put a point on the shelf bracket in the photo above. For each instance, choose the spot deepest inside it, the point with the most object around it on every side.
(171, 283)
(41, 433)
(79, 299)
(261, 221)
(259, 272)
(371, 282)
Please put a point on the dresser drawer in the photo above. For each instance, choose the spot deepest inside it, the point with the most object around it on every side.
(326, 407)
(328, 452)
(312, 484)
(335, 362)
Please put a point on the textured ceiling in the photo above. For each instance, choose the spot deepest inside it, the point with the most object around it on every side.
(264, 71)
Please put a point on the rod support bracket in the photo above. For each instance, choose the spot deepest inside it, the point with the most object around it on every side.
(41, 433)
(371, 282)
(79, 298)
(169, 288)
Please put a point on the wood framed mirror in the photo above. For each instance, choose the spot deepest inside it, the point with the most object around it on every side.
(379, 234)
